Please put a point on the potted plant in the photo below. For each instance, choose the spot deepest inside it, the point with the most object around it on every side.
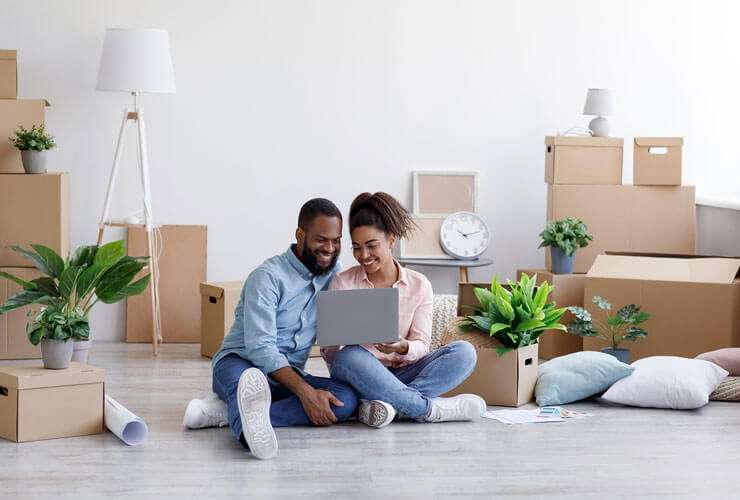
(33, 145)
(622, 326)
(564, 237)
(68, 291)
(505, 329)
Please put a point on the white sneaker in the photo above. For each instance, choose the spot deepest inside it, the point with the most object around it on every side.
(375, 413)
(457, 408)
(253, 397)
(207, 412)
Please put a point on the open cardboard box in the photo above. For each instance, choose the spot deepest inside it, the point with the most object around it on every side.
(14, 342)
(626, 219)
(36, 403)
(694, 301)
(568, 292)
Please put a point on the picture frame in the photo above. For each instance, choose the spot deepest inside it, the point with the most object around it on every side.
(424, 242)
(444, 192)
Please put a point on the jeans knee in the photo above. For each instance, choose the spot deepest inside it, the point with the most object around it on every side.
(349, 356)
(465, 352)
(348, 396)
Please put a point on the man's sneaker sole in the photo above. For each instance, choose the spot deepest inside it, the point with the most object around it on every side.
(253, 398)
(374, 414)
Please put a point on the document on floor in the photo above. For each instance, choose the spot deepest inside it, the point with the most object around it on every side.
(536, 416)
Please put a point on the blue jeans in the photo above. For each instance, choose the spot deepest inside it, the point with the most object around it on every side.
(408, 389)
(286, 408)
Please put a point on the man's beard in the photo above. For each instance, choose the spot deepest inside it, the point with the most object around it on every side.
(309, 260)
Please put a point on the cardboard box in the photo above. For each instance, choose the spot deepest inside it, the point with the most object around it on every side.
(14, 342)
(694, 301)
(182, 268)
(657, 161)
(583, 160)
(217, 304)
(627, 219)
(506, 380)
(15, 112)
(568, 292)
(36, 403)
(8, 74)
(33, 209)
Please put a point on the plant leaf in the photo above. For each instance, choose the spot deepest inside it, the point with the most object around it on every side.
(530, 324)
(54, 263)
(110, 253)
(601, 303)
(25, 284)
(24, 298)
(134, 288)
(68, 281)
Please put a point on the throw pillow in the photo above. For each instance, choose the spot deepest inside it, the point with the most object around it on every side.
(667, 382)
(577, 376)
(729, 359)
(728, 390)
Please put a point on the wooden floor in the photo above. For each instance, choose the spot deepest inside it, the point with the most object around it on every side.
(620, 452)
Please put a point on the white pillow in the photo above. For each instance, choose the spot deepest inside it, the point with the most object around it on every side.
(667, 382)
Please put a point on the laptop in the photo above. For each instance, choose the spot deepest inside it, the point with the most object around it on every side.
(348, 317)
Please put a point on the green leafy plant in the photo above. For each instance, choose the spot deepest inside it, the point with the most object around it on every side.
(515, 317)
(567, 234)
(70, 288)
(621, 326)
(36, 139)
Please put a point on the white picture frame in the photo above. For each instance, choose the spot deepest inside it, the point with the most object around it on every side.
(444, 192)
(424, 242)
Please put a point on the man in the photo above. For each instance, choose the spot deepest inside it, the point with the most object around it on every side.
(262, 359)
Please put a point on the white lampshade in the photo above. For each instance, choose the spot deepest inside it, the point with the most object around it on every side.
(136, 60)
(600, 102)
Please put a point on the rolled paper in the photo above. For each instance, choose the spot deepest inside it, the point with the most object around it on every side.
(120, 421)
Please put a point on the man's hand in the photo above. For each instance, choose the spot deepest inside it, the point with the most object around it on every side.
(400, 347)
(317, 404)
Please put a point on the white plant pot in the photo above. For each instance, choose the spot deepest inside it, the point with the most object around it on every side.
(34, 162)
(56, 354)
(81, 350)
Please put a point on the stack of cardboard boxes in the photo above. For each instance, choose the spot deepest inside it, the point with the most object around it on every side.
(643, 248)
(33, 208)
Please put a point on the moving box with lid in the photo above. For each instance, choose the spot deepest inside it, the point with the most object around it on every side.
(693, 301)
(583, 160)
(657, 161)
(15, 112)
(33, 209)
(626, 219)
(36, 403)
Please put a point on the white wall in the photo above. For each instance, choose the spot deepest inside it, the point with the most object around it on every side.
(280, 101)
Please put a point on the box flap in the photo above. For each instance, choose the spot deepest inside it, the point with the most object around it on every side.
(214, 289)
(34, 377)
(577, 140)
(698, 270)
(659, 141)
(8, 55)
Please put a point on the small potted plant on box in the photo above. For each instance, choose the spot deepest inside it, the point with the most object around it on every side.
(68, 292)
(564, 237)
(515, 317)
(33, 145)
(622, 326)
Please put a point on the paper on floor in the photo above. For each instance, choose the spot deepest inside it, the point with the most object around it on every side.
(120, 421)
(520, 416)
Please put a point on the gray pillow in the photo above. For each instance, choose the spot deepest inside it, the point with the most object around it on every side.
(577, 376)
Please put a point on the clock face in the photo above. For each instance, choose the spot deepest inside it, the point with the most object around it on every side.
(464, 235)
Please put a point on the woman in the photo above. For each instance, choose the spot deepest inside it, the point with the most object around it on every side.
(401, 376)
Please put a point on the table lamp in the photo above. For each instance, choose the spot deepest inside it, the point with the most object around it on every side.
(599, 103)
(136, 61)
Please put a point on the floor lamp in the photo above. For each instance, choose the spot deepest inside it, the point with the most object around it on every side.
(136, 61)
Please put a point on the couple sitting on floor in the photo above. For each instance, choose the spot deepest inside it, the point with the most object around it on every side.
(262, 359)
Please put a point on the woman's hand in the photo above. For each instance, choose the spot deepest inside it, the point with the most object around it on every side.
(401, 347)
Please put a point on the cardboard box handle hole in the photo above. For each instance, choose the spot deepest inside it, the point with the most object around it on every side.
(212, 300)
(3, 391)
(527, 361)
(658, 150)
(549, 149)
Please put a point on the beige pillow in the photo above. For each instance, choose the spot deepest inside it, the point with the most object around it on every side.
(728, 390)
(728, 358)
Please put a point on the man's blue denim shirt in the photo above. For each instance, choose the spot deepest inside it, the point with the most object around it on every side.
(275, 320)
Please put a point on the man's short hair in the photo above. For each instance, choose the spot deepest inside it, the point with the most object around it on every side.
(315, 207)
